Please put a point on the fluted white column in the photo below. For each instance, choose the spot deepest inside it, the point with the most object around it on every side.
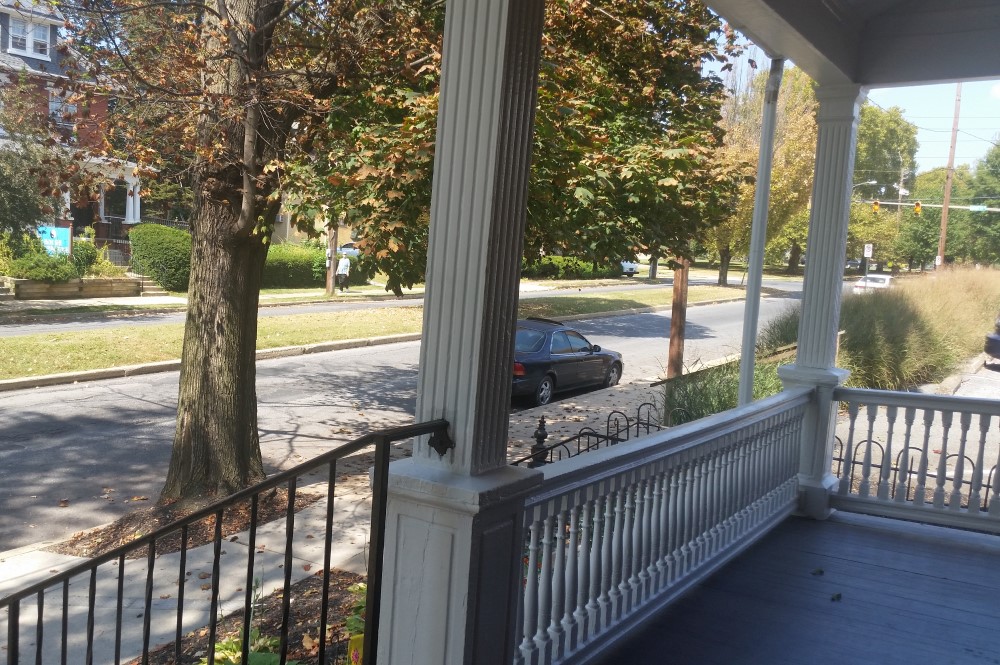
(478, 210)
(837, 121)
(136, 203)
(454, 528)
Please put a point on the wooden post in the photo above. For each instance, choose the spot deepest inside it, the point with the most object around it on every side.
(678, 319)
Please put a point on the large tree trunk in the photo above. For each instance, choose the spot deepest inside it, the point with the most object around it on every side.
(794, 256)
(216, 445)
(725, 257)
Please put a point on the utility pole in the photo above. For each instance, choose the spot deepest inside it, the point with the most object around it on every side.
(948, 177)
(678, 319)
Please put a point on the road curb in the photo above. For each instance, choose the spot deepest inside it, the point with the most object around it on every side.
(7, 385)
(45, 380)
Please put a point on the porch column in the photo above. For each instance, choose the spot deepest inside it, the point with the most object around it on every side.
(837, 121)
(453, 541)
(129, 207)
(100, 201)
(136, 203)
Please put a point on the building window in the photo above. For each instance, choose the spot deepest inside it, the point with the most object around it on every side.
(29, 38)
(60, 109)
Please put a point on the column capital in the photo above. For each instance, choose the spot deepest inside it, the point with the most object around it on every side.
(839, 102)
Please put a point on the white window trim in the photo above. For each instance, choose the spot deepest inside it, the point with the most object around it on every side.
(29, 38)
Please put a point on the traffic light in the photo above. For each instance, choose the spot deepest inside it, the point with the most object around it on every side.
(916, 208)
(874, 206)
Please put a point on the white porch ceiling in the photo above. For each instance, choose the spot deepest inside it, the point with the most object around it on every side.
(875, 43)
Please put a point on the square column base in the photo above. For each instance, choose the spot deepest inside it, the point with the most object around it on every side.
(452, 564)
(816, 481)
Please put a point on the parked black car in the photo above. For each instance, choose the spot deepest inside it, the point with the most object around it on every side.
(992, 347)
(550, 357)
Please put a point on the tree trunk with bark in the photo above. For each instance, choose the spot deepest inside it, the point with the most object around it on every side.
(794, 256)
(216, 448)
(725, 258)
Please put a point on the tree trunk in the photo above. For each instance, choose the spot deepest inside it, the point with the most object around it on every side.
(725, 257)
(794, 256)
(216, 447)
(216, 443)
(654, 264)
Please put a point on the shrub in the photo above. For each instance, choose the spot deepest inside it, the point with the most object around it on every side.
(163, 254)
(84, 255)
(915, 333)
(714, 390)
(103, 267)
(293, 266)
(43, 268)
(569, 267)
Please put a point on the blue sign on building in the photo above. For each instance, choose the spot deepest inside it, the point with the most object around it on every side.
(55, 239)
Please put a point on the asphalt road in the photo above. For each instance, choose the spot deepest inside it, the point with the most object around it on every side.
(104, 445)
(55, 323)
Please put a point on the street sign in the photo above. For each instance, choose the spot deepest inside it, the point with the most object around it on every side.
(868, 250)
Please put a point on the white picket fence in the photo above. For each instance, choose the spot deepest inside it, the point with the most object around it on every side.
(615, 535)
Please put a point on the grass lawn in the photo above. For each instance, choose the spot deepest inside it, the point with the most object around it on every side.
(34, 355)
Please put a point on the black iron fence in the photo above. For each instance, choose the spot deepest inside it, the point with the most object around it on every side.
(137, 599)
(618, 427)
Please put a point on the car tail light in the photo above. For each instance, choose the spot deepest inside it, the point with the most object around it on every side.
(519, 370)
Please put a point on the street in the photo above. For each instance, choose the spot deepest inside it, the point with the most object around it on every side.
(103, 446)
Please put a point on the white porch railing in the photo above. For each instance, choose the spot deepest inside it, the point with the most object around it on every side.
(615, 535)
(920, 457)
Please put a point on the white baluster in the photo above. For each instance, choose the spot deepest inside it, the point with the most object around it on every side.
(556, 634)
(596, 547)
(528, 648)
(920, 493)
(903, 473)
(955, 501)
(847, 450)
(976, 489)
(942, 461)
(542, 641)
(636, 569)
(673, 525)
(654, 568)
(625, 563)
(607, 576)
(886, 468)
(580, 614)
(995, 489)
(864, 489)
(614, 593)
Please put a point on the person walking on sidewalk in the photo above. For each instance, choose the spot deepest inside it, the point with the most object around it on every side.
(343, 270)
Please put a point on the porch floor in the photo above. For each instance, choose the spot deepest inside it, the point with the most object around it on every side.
(850, 590)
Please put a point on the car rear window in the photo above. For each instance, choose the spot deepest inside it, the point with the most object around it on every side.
(528, 341)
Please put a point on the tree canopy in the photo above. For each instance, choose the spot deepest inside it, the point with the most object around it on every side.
(625, 127)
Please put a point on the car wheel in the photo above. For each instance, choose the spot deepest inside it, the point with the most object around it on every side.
(614, 375)
(546, 388)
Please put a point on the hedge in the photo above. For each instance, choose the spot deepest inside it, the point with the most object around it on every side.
(43, 268)
(569, 267)
(163, 254)
(294, 266)
(84, 256)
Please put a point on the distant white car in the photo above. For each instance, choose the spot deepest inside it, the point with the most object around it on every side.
(348, 249)
(871, 283)
(630, 268)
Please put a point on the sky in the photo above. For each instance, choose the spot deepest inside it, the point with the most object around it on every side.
(932, 109)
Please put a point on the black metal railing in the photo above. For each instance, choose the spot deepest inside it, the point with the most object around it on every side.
(134, 633)
(618, 427)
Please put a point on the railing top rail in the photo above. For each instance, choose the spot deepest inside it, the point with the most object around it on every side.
(866, 396)
(385, 436)
(600, 465)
